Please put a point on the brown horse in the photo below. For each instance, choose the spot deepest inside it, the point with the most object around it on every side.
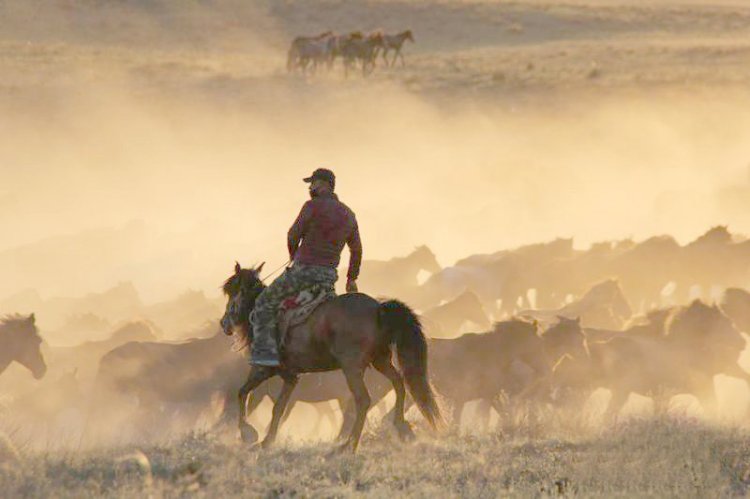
(20, 342)
(698, 342)
(446, 320)
(736, 304)
(350, 332)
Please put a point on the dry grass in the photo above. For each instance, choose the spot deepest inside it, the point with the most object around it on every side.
(658, 458)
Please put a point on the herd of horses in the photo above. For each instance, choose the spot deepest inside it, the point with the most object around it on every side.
(661, 329)
(307, 53)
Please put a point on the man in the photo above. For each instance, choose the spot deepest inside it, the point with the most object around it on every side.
(315, 242)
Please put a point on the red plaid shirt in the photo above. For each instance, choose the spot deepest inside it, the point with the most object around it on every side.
(323, 227)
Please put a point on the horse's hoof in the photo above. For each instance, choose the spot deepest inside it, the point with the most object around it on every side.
(266, 444)
(248, 434)
(405, 433)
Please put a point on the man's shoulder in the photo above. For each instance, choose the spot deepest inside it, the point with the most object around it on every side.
(332, 202)
(346, 208)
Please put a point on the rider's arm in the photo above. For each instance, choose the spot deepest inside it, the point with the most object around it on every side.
(355, 253)
(298, 229)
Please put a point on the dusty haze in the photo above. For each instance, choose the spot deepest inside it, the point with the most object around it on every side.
(138, 146)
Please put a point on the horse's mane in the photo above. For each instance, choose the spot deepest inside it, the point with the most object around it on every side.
(694, 313)
(12, 320)
(715, 235)
(515, 320)
(232, 285)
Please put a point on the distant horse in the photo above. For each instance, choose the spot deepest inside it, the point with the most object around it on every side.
(650, 325)
(20, 342)
(397, 275)
(306, 49)
(395, 43)
(360, 49)
(446, 319)
(602, 306)
(349, 332)
(85, 357)
(736, 304)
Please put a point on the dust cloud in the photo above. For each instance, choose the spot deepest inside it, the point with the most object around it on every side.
(110, 181)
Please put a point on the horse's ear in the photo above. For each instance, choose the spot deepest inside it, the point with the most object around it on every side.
(259, 267)
(237, 267)
(32, 318)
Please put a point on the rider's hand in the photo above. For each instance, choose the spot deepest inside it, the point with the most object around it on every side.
(351, 286)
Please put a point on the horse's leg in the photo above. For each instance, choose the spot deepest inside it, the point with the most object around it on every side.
(324, 413)
(347, 412)
(458, 407)
(257, 376)
(386, 368)
(356, 380)
(616, 403)
(288, 410)
(400, 56)
(278, 409)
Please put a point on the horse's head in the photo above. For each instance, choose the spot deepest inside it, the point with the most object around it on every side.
(408, 35)
(472, 308)
(25, 343)
(565, 338)
(241, 290)
(699, 323)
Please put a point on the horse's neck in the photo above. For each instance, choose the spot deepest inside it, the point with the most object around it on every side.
(412, 263)
(7, 350)
(400, 37)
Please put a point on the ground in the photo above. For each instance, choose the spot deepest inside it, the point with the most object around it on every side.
(658, 458)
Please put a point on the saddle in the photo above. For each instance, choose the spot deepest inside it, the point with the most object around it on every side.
(296, 309)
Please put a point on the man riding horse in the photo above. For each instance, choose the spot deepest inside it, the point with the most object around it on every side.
(315, 242)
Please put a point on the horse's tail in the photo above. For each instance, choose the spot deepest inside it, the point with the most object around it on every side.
(411, 347)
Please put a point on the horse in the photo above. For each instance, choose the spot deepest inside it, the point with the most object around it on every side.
(20, 342)
(309, 48)
(84, 357)
(602, 306)
(160, 377)
(349, 332)
(395, 43)
(399, 274)
(736, 304)
(446, 319)
(514, 359)
(363, 49)
(698, 342)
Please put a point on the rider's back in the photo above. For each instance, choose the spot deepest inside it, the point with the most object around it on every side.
(324, 226)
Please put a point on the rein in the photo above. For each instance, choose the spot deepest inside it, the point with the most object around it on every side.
(275, 271)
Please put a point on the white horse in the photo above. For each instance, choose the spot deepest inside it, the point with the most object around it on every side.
(306, 50)
(396, 42)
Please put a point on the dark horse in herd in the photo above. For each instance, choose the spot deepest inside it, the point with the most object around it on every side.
(350, 332)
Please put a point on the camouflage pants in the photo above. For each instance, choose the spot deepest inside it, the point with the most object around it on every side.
(290, 283)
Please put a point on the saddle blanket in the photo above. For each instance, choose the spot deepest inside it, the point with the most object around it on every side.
(296, 309)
